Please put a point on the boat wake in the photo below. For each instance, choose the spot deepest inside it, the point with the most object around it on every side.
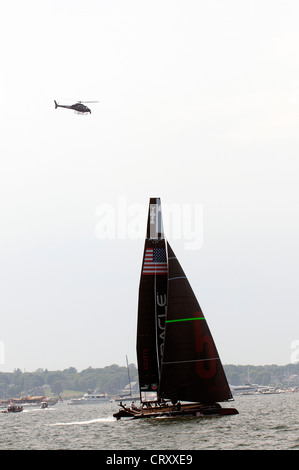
(109, 419)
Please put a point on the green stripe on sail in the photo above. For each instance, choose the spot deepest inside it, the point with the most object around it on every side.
(185, 319)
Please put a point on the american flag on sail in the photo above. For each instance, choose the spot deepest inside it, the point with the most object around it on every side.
(155, 261)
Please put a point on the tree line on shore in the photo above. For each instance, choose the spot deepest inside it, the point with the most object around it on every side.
(112, 379)
(269, 375)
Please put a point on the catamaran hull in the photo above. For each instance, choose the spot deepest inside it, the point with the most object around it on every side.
(174, 412)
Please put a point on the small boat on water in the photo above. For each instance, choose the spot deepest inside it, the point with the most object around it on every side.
(30, 401)
(12, 408)
(130, 392)
(180, 372)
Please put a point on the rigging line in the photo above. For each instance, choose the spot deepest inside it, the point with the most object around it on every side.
(192, 360)
(178, 277)
(185, 319)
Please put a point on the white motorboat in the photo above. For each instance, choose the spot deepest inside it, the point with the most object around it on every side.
(247, 389)
(90, 398)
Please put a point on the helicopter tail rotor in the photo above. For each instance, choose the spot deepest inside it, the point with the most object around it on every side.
(56, 105)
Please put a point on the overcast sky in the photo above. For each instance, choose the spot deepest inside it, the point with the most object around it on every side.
(199, 105)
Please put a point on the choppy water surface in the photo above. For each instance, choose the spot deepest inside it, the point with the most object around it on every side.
(265, 422)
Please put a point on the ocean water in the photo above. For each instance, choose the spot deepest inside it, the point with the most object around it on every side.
(264, 422)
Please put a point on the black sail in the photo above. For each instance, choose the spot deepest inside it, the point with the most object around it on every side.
(191, 367)
(152, 302)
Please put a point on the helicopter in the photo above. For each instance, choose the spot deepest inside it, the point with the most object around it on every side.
(79, 107)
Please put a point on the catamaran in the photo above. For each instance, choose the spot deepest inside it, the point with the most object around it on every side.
(180, 372)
